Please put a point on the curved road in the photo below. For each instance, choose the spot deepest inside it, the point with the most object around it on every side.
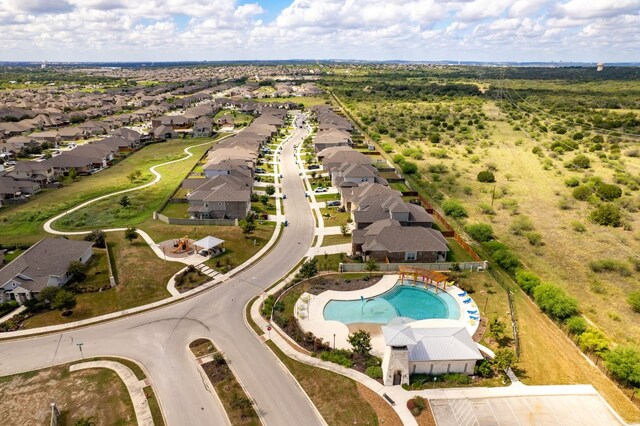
(158, 339)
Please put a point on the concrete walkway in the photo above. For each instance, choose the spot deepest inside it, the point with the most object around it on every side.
(13, 313)
(338, 248)
(134, 387)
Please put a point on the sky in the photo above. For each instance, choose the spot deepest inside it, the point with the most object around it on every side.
(415, 30)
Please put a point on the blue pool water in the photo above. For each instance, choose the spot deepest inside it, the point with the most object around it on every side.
(402, 300)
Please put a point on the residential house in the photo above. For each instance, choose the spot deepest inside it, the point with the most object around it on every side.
(373, 208)
(11, 188)
(203, 127)
(44, 264)
(164, 132)
(220, 197)
(389, 242)
(40, 172)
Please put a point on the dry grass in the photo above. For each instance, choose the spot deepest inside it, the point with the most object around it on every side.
(386, 414)
(95, 393)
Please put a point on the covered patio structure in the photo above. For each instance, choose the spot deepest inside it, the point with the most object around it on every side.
(209, 246)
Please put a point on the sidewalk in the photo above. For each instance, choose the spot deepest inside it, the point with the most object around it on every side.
(335, 249)
(134, 387)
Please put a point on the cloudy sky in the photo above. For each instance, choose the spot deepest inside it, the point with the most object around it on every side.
(171, 30)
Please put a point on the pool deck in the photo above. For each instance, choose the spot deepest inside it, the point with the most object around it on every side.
(309, 310)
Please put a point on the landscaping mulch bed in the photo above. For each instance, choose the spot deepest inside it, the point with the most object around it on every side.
(319, 284)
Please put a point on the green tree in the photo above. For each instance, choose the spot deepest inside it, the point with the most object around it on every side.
(270, 190)
(308, 269)
(124, 201)
(47, 294)
(486, 176)
(580, 161)
(577, 325)
(371, 266)
(64, 301)
(73, 173)
(130, 233)
(555, 302)
(481, 232)
(77, 271)
(360, 341)
(582, 192)
(98, 237)
(608, 192)
(497, 328)
(527, 280)
(264, 200)
(607, 214)
(454, 209)
(624, 364)
(344, 229)
(434, 137)
(409, 167)
(593, 340)
(248, 227)
(505, 358)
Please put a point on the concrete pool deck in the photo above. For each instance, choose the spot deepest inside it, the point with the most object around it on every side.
(309, 310)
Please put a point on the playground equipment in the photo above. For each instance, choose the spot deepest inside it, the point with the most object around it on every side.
(182, 245)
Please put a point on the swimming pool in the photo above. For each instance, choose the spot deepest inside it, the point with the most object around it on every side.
(400, 301)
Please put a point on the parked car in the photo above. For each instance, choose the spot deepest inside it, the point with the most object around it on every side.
(333, 203)
(314, 167)
(260, 170)
(320, 189)
(415, 201)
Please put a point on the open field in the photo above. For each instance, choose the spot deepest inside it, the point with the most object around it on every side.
(532, 143)
(307, 101)
(23, 223)
(98, 394)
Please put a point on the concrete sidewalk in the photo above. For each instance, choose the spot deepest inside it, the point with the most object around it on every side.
(134, 387)
(335, 249)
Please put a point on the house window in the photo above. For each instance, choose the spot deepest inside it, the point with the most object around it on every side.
(410, 255)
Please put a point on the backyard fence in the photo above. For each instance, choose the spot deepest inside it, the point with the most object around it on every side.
(392, 267)
(195, 222)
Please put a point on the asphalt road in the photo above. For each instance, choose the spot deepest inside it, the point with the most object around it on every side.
(159, 339)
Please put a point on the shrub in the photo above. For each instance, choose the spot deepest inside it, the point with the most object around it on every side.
(409, 167)
(483, 368)
(481, 232)
(508, 260)
(555, 302)
(582, 192)
(534, 238)
(594, 341)
(434, 137)
(374, 372)
(578, 226)
(580, 161)
(416, 405)
(520, 225)
(577, 325)
(608, 192)
(456, 378)
(610, 265)
(387, 147)
(505, 358)
(454, 209)
(572, 182)
(338, 356)
(486, 176)
(494, 246)
(623, 363)
(607, 215)
(634, 300)
(527, 280)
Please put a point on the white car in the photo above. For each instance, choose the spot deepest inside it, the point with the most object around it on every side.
(320, 189)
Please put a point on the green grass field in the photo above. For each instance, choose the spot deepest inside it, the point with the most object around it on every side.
(23, 223)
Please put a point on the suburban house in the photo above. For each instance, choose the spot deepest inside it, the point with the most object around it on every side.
(163, 132)
(432, 346)
(329, 138)
(40, 172)
(221, 197)
(11, 188)
(388, 241)
(373, 208)
(203, 127)
(351, 196)
(44, 264)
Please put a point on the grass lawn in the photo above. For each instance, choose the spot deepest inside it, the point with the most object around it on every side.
(336, 397)
(332, 217)
(258, 207)
(23, 223)
(239, 118)
(109, 212)
(238, 249)
(549, 357)
(330, 262)
(327, 197)
(141, 276)
(96, 393)
(10, 255)
(97, 270)
(457, 253)
(330, 240)
(399, 186)
(177, 210)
